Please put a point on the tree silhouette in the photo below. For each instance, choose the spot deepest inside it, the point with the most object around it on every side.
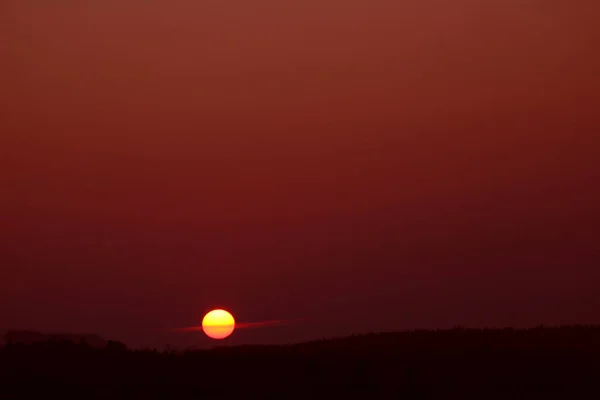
(460, 363)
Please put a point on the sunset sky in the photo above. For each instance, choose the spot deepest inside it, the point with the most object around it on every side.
(368, 165)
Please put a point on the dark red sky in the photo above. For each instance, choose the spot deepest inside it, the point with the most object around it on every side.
(373, 165)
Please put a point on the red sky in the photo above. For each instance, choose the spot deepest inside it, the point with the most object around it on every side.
(373, 165)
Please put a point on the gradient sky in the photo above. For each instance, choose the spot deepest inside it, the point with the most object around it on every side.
(372, 165)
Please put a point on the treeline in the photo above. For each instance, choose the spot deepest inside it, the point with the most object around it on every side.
(458, 363)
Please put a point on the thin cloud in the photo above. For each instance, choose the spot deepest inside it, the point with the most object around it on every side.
(244, 325)
(260, 324)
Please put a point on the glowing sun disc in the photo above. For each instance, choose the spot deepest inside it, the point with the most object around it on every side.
(218, 324)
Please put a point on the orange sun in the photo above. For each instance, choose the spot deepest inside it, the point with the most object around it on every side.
(218, 324)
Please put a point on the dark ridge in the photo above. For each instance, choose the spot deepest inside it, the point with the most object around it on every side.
(560, 362)
(31, 337)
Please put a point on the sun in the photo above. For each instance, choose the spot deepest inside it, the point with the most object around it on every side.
(218, 324)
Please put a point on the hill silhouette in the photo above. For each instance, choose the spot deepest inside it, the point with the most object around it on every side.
(459, 363)
(30, 337)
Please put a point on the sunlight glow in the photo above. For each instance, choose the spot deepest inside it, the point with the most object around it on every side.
(218, 324)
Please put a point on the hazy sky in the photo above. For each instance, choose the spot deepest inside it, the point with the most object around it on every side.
(373, 165)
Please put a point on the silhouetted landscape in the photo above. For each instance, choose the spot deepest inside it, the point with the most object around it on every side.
(274, 177)
(31, 337)
(476, 363)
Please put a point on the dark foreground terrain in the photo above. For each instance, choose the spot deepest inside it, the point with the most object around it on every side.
(540, 363)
